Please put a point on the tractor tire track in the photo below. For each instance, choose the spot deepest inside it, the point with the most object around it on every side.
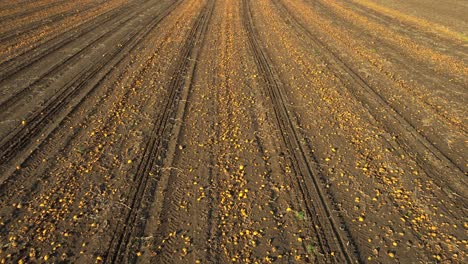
(27, 58)
(24, 44)
(432, 159)
(49, 149)
(331, 236)
(57, 66)
(30, 11)
(156, 148)
(22, 29)
(12, 4)
(60, 105)
(427, 76)
(448, 42)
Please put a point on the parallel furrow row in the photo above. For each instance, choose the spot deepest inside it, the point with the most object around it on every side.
(439, 40)
(399, 57)
(109, 28)
(7, 4)
(31, 11)
(17, 31)
(137, 39)
(152, 158)
(61, 104)
(332, 237)
(28, 57)
(432, 160)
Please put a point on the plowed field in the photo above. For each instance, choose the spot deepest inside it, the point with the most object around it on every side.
(233, 131)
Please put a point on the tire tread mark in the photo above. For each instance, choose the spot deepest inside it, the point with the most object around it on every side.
(400, 58)
(369, 97)
(60, 103)
(11, 65)
(10, 5)
(317, 203)
(168, 220)
(31, 11)
(152, 157)
(15, 32)
(4, 184)
(4, 105)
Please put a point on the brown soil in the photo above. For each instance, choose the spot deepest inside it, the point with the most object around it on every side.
(290, 131)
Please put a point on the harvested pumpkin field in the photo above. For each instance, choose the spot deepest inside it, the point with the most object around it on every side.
(233, 131)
